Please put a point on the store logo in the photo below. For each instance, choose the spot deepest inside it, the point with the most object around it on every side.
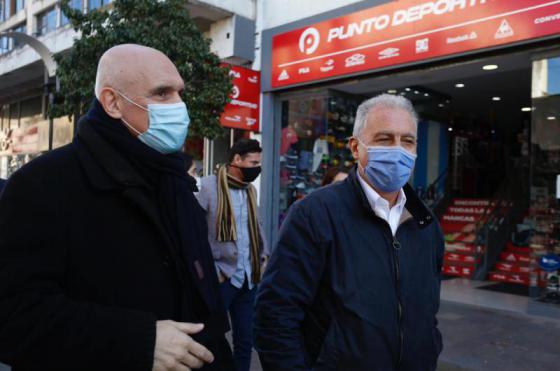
(548, 18)
(253, 79)
(389, 53)
(355, 60)
(235, 92)
(303, 70)
(283, 76)
(422, 45)
(329, 65)
(234, 74)
(309, 40)
(250, 121)
(235, 118)
(504, 30)
(458, 39)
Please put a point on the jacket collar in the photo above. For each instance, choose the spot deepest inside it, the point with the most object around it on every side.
(420, 213)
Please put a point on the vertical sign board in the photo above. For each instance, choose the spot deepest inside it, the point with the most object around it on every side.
(406, 31)
(242, 112)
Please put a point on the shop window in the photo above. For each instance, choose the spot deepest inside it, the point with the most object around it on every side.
(94, 4)
(545, 166)
(46, 22)
(74, 4)
(314, 136)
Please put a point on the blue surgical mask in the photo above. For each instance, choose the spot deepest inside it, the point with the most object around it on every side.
(388, 168)
(168, 126)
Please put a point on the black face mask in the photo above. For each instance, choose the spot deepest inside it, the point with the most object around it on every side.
(249, 173)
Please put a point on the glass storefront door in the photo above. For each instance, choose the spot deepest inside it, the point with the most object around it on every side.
(545, 174)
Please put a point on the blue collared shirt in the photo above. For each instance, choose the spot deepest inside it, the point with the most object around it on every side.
(239, 204)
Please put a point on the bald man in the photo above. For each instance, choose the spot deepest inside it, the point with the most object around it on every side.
(104, 255)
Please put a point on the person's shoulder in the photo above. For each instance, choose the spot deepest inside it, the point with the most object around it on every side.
(209, 180)
(52, 163)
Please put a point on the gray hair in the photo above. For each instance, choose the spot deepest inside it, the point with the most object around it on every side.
(382, 101)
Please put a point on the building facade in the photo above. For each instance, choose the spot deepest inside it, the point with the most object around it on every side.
(26, 132)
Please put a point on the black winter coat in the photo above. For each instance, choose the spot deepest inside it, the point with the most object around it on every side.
(86, 271)
(340, 293)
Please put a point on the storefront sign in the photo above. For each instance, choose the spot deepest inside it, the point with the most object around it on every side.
(242, 112)
(406, 31)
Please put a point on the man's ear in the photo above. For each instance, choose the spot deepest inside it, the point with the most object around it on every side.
(236, 159)
(111, 103)
(353, 145)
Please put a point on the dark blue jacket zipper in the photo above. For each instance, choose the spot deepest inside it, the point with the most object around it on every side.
(396, 247)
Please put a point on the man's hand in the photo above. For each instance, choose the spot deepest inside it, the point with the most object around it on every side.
(264, 264)
(176, 350)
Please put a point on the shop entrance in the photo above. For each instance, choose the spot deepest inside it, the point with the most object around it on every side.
(474, 158)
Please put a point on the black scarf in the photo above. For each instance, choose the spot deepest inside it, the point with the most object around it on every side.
(164, 177)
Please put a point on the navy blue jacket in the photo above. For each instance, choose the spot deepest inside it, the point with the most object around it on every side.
(341, 293)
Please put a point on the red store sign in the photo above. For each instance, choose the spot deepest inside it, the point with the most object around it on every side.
(406, 31)
(242, 112)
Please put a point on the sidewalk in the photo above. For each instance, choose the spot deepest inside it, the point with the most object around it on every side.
(477, 338)
(488, 339)
(482, 339)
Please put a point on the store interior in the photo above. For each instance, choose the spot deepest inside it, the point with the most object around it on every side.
(475, 159)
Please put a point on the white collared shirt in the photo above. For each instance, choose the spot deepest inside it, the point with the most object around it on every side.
(380, 206)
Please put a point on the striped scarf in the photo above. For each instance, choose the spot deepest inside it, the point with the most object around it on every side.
(225, 219)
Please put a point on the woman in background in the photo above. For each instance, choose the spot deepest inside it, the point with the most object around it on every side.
(334, 174)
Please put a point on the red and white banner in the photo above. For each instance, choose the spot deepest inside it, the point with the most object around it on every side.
(406, 31)
(242, 112)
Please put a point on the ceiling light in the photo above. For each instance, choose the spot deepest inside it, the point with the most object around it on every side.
(551, 118)
(407, 89)
(392, 91)
(496, 99)
(440, 105)
(460, 85)
(448, 101)
(416, 92)
(426, 94)
(450, 129)
(490, 67)
(526, 109)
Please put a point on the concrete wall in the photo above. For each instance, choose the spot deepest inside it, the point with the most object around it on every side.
(278, 12)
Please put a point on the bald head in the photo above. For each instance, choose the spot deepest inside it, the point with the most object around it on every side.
(124, 67)
(130, 77)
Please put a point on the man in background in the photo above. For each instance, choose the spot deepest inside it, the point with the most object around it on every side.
(235, 234)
